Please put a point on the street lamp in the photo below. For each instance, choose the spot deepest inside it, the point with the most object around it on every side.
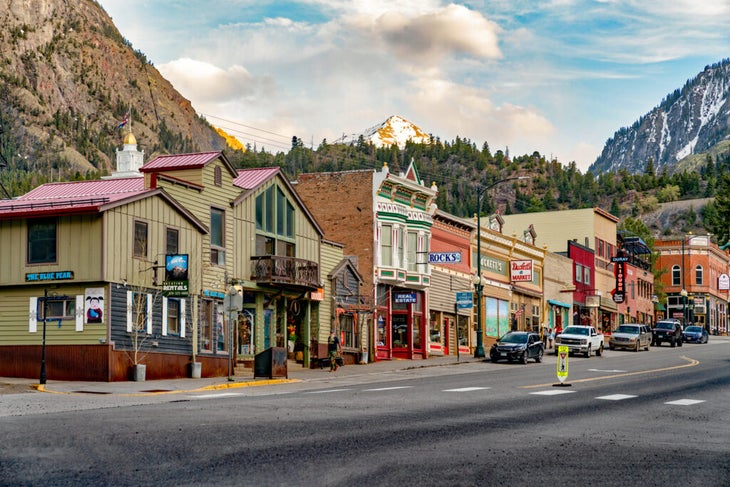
(683, 292)
(479, 284)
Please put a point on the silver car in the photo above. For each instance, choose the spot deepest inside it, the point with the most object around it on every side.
(633, 336)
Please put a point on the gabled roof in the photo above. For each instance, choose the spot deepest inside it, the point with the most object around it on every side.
(176, 162)
(86, 197)
(250, 179)
(71, 197)
(253, 178)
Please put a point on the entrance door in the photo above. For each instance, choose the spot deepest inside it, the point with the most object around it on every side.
(268, 314)
(399, 328)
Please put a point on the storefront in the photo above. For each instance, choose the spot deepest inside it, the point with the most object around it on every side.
(400, 319)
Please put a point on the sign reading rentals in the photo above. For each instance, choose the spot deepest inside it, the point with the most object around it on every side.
(176, 282)
(520, 270)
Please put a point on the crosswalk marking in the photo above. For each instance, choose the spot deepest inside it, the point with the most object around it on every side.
(616, 397)
(466, 389)
(388, 388)
(552, 392)
(684, 402)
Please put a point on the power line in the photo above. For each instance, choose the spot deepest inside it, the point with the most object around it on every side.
(247, 126)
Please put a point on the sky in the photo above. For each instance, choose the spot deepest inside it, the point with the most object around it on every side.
(559, 77)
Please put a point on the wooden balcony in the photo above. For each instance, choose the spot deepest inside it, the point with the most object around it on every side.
(285, 271)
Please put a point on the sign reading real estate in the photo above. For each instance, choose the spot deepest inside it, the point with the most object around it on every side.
(176, 283)
(404, 298)
(520, 270)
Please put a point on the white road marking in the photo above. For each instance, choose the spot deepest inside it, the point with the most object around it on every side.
(684, 402)
(616, 397)
(466, 389)
(326, 391)
(600, 370)
(222, 394)
(552, 392)
(388, 388)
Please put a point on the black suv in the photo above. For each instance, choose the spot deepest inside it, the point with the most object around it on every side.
(666, 331)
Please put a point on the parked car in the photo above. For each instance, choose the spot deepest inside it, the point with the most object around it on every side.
(518, 345)
(633, 336)
(667, 331)
(695, 334)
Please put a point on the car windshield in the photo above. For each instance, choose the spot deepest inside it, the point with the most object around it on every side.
(694, 329)
(666, 325)
(628, 329)
(514, 338)
(574, 330)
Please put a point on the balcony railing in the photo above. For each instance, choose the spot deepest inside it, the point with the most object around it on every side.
(276, 269)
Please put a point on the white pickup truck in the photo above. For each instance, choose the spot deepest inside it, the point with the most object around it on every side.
(580, 339)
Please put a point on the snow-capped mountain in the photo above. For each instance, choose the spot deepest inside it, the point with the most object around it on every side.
(688, 121)
(396, 130)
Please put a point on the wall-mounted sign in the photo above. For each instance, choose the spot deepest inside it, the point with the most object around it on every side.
(49, 276)
(619, 270)
(464, 300)
(444, 257)
(521, 270)
(176, 281)
(404, 298)
(317, 295)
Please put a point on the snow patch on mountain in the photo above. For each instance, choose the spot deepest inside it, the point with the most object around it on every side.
(395, 130)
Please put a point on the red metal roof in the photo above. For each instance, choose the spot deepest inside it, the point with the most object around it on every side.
(71, 197)
(180, 161)
(252, 178)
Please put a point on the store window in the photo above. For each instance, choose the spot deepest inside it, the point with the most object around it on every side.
(676, 276)
(57, 309)
(217, 237)
(213, 334)
(386, 245)
(347, 325)
(140, 239)
(172, 238)
(275, 223)
(434, 327)
(41, 241)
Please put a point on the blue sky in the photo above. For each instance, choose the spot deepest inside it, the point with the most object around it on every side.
(558, 76)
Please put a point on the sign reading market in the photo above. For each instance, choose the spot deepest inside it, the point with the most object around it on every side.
(520, 270)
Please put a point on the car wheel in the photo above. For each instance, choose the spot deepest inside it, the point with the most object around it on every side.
(673, 342)
(538, 359)
(611, 347)
(588, 353)
(493, 357)
(524, 357)
(599, 352)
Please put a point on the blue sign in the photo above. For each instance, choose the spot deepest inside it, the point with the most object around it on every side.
(404, 298)
(464, 300)
(444, 257)
(49, 276)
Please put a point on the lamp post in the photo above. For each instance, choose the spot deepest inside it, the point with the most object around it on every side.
(479, 286)
(683, 292)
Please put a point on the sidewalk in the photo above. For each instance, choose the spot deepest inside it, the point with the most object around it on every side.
(296, 373)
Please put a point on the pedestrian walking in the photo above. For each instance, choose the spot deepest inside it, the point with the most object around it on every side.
(551, 337)
(333, 350)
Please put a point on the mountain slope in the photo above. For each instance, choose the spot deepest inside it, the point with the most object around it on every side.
(689, 121)
(67, 80)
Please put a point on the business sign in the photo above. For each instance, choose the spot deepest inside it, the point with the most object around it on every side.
(520, 270)
(444, 257)
(619, 270)
(464, 300)
(49, 276)
(404, 298)
(176, 283)
(317, 295)
(723, 282)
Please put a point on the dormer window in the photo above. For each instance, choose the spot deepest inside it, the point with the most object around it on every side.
(218, 176)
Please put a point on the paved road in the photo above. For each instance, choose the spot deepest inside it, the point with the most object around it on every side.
(652, 418)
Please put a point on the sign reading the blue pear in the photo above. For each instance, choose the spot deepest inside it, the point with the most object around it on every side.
(176, 283)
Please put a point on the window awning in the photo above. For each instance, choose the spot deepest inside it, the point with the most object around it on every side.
(559, 303)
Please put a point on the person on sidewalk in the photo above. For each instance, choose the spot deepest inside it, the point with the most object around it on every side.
(333, 350)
